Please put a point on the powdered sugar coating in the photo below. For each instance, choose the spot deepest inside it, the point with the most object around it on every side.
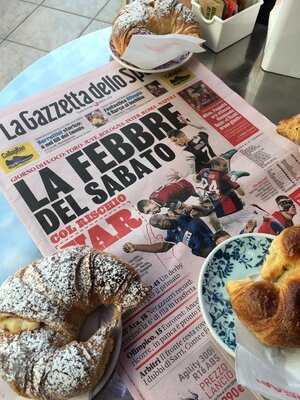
(110, 276)
(135, 293)
(47, 371)
(133, 16)
(43, 363)
(137, 14)
(19, 299)
(58, 283)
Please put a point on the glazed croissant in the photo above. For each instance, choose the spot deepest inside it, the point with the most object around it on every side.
(42, 308)
(270, 307)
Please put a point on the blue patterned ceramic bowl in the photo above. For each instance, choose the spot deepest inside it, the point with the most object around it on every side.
(236, 258)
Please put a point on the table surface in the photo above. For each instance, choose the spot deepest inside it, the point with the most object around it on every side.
(238, 66)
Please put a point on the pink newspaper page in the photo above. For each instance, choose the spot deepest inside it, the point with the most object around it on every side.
(156, 169)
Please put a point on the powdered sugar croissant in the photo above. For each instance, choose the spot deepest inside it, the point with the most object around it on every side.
(42, 308)
(158, 17)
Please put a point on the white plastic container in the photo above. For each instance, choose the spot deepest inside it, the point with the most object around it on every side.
(219, 33)
(282, 54)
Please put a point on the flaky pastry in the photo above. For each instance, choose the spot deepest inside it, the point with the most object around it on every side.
(146, 17)
(290, 128)
(42, 308)
(270, 306)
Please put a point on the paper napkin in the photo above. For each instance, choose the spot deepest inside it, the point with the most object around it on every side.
(272, 372)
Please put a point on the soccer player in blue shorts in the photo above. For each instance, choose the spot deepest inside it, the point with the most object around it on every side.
(193, 232)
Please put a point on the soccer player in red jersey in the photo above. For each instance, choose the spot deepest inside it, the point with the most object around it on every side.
(171, 196)
(287, 211)
(270, 225)
(220, 188)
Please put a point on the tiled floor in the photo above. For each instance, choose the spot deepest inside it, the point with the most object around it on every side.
(31, 28)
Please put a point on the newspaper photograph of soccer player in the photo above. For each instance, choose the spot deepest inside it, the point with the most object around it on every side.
(196, 205)
(197, 151)
(190, 207)
(221, 235)
(96, 118)
(280, 219)
(195, 224)
(202, 207)
(286, 211)
(192, 232)
(171, 196)
(156, 88)
(250, 226)
(196, 146)
(177, 198)
(221, 187)
(198, 95)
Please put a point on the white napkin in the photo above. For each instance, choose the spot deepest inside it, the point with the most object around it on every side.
(151, 51)
(272, 372)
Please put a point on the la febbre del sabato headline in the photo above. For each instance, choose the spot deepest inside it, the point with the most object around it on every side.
(28, 121)
(105, 168)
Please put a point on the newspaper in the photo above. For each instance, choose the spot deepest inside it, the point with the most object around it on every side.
(156, 169)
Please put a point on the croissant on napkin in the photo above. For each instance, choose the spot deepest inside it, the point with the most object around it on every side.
(270, 307)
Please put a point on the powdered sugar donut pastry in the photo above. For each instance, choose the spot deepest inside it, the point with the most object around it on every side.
(152, 17)
(42, 308)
